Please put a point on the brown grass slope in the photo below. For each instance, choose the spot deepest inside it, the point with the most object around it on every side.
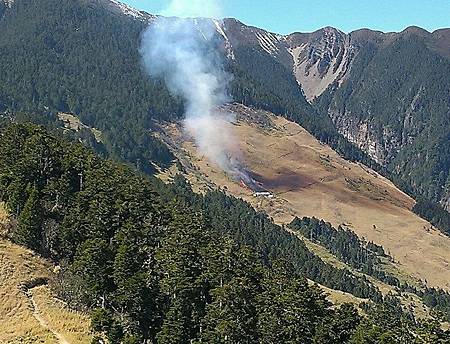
(33, 315)
(310, 179)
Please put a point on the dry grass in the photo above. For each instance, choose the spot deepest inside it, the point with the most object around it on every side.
(338, 297)
(408, 300)
(4, 220)
(324, 254)
(3, 214)
(17, 323)
(73, 326)
(310, 179)
(73, 123)
(326, 186)
(18, 320)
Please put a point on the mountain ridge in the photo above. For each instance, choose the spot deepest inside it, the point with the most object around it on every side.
(127, 9)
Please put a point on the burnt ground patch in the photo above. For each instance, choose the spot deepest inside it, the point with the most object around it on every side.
(283, 180)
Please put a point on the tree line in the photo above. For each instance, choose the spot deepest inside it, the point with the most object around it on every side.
(154, 263)
(346, 245)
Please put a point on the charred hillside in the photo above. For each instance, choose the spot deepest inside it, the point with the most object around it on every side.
(385, 92)
(394, 105)
(72, 39)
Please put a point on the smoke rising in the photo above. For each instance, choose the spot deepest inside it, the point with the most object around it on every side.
(193, 9)
(184, 52)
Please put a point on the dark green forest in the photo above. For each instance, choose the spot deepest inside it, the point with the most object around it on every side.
(77, 57)
(265, 83)
(434, 213)
(346, 245)
(158, 263)
(2, 8)
(81, 58)
(366, 257)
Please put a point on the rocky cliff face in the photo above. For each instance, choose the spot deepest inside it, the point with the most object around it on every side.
(388, 93)
(120, 8)
(381, 146)
(237, 34)
(382, 141)
(320, 59)
(394, 104)
(316, 59)
(8, 3)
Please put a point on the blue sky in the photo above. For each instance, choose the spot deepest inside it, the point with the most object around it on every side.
(286, 16)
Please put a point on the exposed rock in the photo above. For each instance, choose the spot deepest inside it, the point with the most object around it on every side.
(323, 58)
(380, 148)
(9, 3)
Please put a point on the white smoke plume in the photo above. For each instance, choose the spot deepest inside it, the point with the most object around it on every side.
(193, 9)
(184, 52)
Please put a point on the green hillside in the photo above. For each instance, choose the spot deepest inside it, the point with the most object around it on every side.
(78, 57)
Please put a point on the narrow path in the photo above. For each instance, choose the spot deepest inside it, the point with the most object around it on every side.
(44, 323)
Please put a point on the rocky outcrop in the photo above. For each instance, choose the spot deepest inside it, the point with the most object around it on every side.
(446, 201)
(120, 8)
(237, 34)
(381, 142)
(320, 59)
(381, 145)
(8, 3)
(316, 59)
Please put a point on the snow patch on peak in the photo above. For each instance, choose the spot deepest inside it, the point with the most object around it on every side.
(268, 41)
(220, 28)
(333, 31)
(127, 10)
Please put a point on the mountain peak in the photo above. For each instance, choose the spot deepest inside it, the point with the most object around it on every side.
(416, 30)
(121, 8)
(332, 30)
